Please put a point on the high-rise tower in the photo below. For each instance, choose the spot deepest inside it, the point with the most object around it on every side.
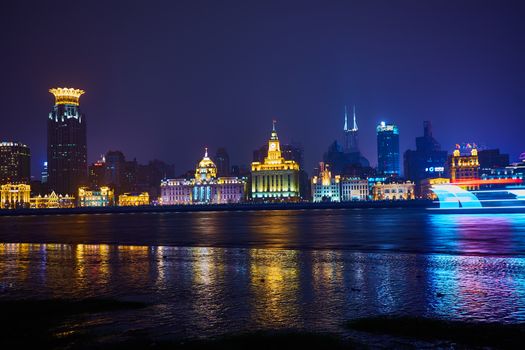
(15, 160)
(387, 149)
(66, 143)
(351, 141)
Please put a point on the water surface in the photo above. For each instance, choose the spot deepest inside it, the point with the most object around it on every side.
(209, 273)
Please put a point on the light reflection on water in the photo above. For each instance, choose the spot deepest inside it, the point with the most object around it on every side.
(207, 273)
(199, 291)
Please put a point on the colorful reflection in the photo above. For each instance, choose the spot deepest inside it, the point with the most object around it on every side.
(203, 291)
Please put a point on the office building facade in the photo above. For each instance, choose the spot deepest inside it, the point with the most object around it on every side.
(388, 149)
(15, 163)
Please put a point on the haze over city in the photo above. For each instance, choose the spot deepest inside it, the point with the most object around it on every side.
(165, 80)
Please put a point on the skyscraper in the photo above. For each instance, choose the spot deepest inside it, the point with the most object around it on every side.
(15, 159)
(428, 160)
(222, 159)
(115, 163)
(66, 142)
(351, 141)
(347, 159)
(387, 149)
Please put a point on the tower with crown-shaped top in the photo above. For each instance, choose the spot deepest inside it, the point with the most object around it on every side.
(66, 142)
(276, 179)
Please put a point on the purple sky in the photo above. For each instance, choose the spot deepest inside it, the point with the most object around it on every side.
(165, 79)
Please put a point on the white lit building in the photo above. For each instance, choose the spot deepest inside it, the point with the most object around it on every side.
(326, 188)
(205, 187)
(354, 189)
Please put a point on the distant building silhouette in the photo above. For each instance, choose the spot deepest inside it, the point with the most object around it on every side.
(490, 159)
(346, 159)
(222, 160)
(427, 161)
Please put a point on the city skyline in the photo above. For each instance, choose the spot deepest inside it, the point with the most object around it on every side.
(298, 64)
(35, 173)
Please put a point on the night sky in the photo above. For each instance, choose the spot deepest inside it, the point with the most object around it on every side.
(165, 79)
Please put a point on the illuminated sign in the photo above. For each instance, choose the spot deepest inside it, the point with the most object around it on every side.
(435, 169)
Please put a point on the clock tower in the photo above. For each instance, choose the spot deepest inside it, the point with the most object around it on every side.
(274, 147)
(276, 179)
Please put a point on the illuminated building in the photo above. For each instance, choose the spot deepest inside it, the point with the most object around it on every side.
(464, 166)
(66, 142)
(427, 161)
(387, 149)
(351, 141)
(354, 189)
(15, 160)
(292, 151)
(44, 173)
(326, 188)
(176, 191)
(347, 160)
(96, 173)
(393, 191)
(276, 178)
(133, 199)
(14, 196)
(204, 188)
(52, 201)
(100, 197)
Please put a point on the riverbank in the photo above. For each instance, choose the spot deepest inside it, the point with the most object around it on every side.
(223, 207)
(53, 324)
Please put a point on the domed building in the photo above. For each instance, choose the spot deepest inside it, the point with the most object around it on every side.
(204, 188)
(206, 169)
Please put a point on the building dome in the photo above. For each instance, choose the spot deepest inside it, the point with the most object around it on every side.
(206, 169)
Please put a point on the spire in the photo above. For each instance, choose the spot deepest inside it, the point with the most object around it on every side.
(346, 120)
(205, 152)
(274, 133)
(355, 122)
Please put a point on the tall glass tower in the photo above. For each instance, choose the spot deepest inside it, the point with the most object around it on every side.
(387, 149)
(66, 143)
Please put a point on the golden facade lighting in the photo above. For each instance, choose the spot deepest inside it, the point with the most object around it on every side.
(67, 96)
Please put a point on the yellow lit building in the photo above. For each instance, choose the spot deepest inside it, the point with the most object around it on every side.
(101, 197)
(52, 201)
(393, 191)
(276, 178)
(14, 196)
(464, 166)
(133, 199)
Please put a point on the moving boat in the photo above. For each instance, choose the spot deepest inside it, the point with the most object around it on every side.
(481, 196)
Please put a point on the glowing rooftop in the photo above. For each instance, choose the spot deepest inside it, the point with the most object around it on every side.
(67, 96)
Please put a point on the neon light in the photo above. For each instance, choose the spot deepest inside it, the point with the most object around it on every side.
(454, 197)
(476, 182)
